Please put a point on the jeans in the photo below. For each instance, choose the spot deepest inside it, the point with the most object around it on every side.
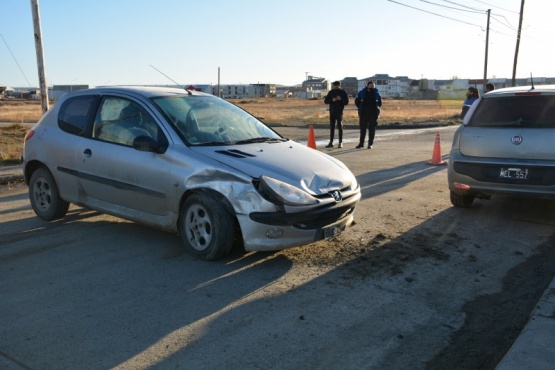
(336, 118)
(368, 120)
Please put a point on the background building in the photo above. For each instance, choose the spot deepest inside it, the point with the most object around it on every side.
(400, 87)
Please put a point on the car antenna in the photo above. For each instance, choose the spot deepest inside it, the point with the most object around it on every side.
(532, 79)
(183, 87)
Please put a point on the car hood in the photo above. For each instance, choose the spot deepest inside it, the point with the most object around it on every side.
(293, 163)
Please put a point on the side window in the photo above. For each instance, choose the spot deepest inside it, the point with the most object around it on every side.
(121, 121)
(74, 114)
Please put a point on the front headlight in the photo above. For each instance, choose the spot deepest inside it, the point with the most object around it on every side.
(354, 183)
(280, 192)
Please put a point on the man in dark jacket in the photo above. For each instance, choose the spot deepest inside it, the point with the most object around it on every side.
(337, 99)
(368, 102)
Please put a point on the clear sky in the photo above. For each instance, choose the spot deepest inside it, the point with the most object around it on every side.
(114, 42)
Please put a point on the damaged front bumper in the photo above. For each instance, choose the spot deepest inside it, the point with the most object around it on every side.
(266, 231)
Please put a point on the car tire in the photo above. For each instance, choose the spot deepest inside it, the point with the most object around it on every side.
(45, 197)
(206, 227)
(461, 201)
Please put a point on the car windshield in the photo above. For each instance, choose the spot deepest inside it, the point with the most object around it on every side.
(207, 120)
(529, 111)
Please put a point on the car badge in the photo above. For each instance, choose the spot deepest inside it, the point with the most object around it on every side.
(516, 139)
(337, 196)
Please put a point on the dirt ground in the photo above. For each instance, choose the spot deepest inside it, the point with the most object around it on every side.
(492, 321)
(415, 283)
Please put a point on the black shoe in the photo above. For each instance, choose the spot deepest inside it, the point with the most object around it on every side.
(330, 145)
(340, 145)
(360, 146)
(369, 146)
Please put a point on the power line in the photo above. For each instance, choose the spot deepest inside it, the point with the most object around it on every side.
(462, 6)
(16, 62)
(482, 11)
(465, 9)
(450, 7)
(506, 23)
(472, 10)
(439, 15)
(478, 11)
(495, 6)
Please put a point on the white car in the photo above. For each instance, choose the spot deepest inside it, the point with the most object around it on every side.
(189, 163)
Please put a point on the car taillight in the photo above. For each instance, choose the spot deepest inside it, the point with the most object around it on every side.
(460, 186)
(28, 135)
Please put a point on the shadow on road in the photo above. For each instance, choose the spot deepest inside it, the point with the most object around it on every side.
(93, 291)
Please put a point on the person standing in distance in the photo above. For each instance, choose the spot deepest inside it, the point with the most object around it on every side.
(368, 102)
(472, 94)
(337, 99)
(489, 87)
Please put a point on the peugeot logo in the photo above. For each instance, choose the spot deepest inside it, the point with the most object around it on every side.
(516, 139)
(337, 196)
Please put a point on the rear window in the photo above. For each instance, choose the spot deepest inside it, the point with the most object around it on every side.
(75, 114)
(529, 111)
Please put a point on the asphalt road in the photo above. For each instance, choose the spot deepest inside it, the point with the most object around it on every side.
(416, 283)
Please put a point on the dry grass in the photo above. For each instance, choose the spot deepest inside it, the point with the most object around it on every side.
(11, 142)
(294, 112)
(19, 111)
(286, 112)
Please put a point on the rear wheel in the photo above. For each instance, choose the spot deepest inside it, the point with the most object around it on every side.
(45, 197)
(462, 201)
(206, 227)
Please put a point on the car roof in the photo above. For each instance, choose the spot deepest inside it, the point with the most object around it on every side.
(521, 90)
(144, 91)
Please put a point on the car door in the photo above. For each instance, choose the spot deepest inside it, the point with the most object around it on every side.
(117, 177)
(74, 118)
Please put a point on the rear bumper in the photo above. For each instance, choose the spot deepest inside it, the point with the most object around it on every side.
(476, 176)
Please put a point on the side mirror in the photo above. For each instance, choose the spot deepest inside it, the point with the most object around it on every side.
(145, 143)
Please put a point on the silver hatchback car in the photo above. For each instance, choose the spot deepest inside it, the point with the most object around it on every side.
(505, 146)
(189, 163)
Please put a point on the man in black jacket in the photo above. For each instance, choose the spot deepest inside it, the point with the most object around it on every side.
(337, 99)
(368, 102)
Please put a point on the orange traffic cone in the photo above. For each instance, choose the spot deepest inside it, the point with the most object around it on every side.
(311, 139)
(436, 157)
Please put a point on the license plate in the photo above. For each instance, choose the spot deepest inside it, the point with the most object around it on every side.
(331, 232)
(513, 173)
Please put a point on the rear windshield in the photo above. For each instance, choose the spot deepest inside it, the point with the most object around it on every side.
(530, 111)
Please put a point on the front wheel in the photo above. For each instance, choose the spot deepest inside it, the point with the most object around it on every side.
(206, 227)
(45, 197)
(461, 201)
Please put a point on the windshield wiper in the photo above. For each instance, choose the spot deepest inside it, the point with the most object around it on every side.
(259, 140)
(212, 143)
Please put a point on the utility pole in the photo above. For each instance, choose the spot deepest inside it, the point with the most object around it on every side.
(486, 60)
(40, 55)
(219, 92)
(518, 41)
(306, 84)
